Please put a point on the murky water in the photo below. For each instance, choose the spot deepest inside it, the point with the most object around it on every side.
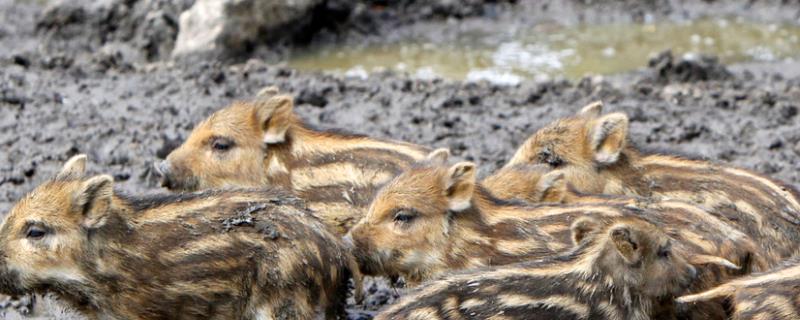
(550, 50)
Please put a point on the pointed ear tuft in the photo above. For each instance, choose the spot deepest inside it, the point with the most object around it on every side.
(93, 200)
(626, 245)
(552, 187)
(592, 110)
(267, 92)
(584, 227)
(459, 186)
(607, 137)
(274, 113)
(439, 156)
(73, 169)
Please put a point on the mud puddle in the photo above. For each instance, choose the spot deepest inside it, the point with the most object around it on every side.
(547, 51)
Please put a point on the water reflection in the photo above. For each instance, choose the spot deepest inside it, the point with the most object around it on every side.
(545, 51)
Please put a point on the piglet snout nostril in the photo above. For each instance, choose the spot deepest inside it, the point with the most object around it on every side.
(162, 168)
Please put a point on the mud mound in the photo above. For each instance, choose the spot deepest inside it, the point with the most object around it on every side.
(688, 68)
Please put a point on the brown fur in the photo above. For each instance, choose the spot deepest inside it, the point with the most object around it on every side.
(592, 152)
(769, 295)
(695, 227)
(688, 224)
(263, 143)
(617, 272)
(414, 230)
(236, 254)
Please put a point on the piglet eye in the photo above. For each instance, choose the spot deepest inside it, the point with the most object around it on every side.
(221, 144)
(547, 156)
(664, 252)
(404, 216)
(35, 233)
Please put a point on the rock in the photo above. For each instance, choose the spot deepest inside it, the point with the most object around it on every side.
(689, 68)
(312, 97)
(11, 97)
(788, 112)
(150, 26)
(21, 60)
(60, 14)
(228, 26)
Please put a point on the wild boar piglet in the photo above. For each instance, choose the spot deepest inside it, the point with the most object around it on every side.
(435, 218)
(233, 254)
(593, 153)
(264, 143)
(624, 271)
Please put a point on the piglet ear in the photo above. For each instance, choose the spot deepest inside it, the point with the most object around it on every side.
(583, 227)
(274, 113)
(73, 169)
(439, 156)
(267, 92)
(623, 239)
(592, 110)
(552, 187)
(607, 137)
(93, 199)
(459, 186)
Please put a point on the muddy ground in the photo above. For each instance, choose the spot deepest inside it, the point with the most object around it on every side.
(126, 112)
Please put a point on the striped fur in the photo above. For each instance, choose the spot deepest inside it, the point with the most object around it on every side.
(688, 224)
(602, 278)
(683, 221)
(234, 254)
(435, 239)
(266, 144)
(592, 152)
(772, 295)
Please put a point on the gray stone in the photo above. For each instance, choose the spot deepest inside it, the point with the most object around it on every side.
(219, 26)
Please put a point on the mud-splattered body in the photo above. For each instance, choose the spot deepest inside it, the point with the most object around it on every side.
(770, 295)
(592, 152)
(603, 278)
(237, 254)
(263, 143)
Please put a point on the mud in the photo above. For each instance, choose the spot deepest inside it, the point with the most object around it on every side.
(106, 100)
